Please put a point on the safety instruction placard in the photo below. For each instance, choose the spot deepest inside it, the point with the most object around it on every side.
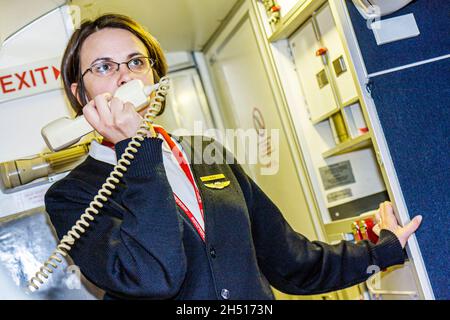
(337, 175)
(29, 79)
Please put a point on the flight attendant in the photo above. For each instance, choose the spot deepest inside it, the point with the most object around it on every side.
(177, 229)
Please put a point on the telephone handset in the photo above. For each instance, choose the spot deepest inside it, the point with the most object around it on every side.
(64, 132)
(136, 93)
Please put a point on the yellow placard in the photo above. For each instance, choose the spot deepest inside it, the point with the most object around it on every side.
(213, 177)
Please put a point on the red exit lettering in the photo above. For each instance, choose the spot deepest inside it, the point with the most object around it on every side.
(27, 79)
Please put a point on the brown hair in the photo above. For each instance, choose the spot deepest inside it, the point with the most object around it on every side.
(71, 67)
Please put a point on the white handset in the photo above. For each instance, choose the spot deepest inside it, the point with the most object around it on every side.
(64, 132)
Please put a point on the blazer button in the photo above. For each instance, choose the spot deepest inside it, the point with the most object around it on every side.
(225, 294)
(212, 252)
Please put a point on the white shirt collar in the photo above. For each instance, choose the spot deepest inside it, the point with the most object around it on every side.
(108, 155)
(102, 153)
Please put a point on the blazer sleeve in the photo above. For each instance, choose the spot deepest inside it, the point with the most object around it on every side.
(295, 265)
(133, 248)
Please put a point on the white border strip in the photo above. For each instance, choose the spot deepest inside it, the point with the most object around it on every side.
(407, 66)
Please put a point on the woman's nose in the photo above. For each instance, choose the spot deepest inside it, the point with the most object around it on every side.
(125, 75)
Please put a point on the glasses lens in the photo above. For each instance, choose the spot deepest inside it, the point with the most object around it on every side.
(140, 64)
(104, 68)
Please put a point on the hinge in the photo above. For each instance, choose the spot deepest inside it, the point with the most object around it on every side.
(212, 59)
(291, 54)
(380, 160)
(369, 87)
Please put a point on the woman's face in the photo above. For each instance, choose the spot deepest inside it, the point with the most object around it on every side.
(114, 44)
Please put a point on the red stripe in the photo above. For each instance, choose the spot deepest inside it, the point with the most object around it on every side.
(108, 144)
(188, 212)
(187, 171)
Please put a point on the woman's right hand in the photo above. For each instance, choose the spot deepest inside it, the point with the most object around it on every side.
(386, 219)
(113, 119)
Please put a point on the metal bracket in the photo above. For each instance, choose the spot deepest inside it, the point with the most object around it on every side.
(379, 292)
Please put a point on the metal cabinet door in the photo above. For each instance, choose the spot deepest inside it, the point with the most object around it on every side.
(313, 75)
(337, 61)
(365, 186)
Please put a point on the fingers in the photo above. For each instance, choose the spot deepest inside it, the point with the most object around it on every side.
(96, 110)
(404, 233)
(376, 229)
(112, 118)
(387, 211)
(388, 219)
(117, 107)
(102, 105)
(378, 217)
(129, 107)
(412, 226)
(91, 114)
(130, 120)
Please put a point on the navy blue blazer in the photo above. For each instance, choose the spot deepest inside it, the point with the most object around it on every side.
(142, 246)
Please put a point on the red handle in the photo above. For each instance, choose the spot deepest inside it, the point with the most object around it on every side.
(275, 8)
(321, 52)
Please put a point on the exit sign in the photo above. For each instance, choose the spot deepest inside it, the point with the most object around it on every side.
(26, 80)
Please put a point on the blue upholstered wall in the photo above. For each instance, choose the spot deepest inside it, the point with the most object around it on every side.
(414, 110)
(433, 21)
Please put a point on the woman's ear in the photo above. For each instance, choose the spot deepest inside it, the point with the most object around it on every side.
(74, 89)
(76, 93)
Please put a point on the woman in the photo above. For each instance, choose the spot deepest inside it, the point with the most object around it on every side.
(164, 234)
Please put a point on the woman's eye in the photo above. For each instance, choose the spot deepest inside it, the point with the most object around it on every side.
(136, 62)
(102, 67)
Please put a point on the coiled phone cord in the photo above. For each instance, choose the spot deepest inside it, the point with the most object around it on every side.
(82, 224)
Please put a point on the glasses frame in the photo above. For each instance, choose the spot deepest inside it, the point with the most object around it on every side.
(151, 61)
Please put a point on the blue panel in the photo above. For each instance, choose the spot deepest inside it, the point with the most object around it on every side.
(414, 109)
(433, 20)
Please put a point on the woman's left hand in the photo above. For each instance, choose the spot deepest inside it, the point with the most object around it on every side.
(386, 220)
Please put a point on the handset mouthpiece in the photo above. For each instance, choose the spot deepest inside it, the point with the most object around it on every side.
(150, 88)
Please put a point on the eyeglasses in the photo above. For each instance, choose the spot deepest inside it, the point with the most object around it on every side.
(107, 68)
